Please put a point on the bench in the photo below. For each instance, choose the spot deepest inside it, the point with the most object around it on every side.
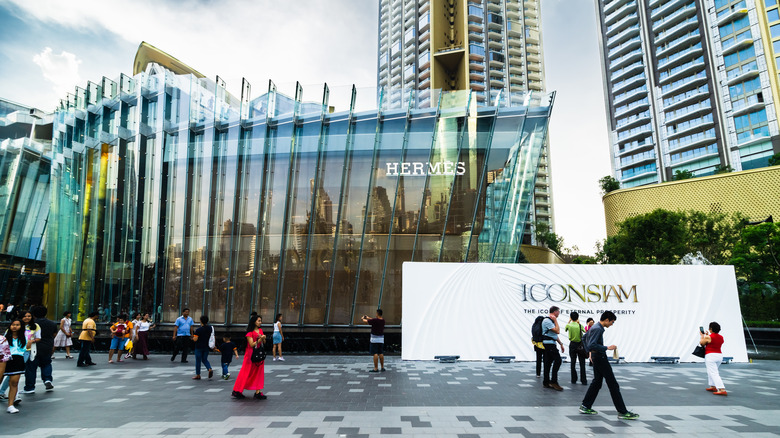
(447, 359)
(665, 359)
(727, 359)
(620, 359)
(502, 359)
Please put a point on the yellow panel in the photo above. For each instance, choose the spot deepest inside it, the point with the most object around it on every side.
(754, 193)
(148, 54)
(540, 254)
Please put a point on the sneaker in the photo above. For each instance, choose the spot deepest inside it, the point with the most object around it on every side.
(110, 361)
(24, 391)
(17, 401)
(628, 415)
(383, 370)
(227, 376)
(224, 377)
(260, 396)
(281, 358)
(373, 371)
(556, 387)
(185, 361)
(237, 394)
(12, 410)
(721, 392)
(48, 385)
(589, 411)
(274, 358)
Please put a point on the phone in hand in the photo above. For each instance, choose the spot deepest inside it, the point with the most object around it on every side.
(701, 329)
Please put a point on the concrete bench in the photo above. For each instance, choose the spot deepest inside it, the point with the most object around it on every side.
(727, 359)
(502, 359)
(447, 359)
(665, 359)
(620, 359)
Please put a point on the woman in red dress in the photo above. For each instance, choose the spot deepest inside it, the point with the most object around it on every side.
(252, 375)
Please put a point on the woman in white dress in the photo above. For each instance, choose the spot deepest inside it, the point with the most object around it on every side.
(64, 335)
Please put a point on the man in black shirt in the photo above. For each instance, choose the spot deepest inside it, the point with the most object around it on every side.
(45, 350)
(377, 347)
(602, 370)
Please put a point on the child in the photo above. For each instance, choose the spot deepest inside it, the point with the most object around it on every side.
(14, 368)
(118, 331)
(228, 349)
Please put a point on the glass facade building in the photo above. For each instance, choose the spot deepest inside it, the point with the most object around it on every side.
(165, 192)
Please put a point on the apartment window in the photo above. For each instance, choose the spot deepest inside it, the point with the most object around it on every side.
(776, 47)
(769, 3)
(734, 26)
(475, 10)
(775, 30)
(750, 122)
(740, 56)
(747, 87)
(773, 15)
(476, 49)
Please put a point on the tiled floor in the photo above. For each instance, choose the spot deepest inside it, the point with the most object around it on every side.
(315, 396)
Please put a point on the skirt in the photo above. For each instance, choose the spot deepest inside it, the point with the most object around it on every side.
(14, 366)
(61, 340)
(251, 376)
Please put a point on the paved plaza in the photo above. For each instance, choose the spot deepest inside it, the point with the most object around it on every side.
(320, 396)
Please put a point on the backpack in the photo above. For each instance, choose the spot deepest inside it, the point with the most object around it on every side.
(536, 329)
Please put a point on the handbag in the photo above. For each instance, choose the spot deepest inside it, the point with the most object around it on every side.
(258, 355)
(5, 350)
(212, 339)
(699, 351)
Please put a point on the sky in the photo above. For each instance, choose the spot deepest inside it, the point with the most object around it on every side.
(48, 47)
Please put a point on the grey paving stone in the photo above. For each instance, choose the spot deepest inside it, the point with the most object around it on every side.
(391, 431)
(240, 431)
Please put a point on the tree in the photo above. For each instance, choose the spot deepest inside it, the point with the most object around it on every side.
(680, 175)
(664, 237)
(608, 184)
(546, 237)
(774, 160)
(756, 260)
(722, 169)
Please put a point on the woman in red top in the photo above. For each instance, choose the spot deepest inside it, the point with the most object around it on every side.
(252, 375)
(713, 358)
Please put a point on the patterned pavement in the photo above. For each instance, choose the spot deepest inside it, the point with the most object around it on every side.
(319, 396)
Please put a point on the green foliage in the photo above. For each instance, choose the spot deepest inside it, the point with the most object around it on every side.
(722, 169)
(763, 324)
(584, 260)
(774, 160)
(608, 184)
(664, 237)
(546, 237)
(680, 175)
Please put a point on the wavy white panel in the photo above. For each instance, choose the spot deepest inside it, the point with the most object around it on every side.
(477, 310)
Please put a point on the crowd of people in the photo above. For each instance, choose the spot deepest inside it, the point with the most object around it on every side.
(31, 339)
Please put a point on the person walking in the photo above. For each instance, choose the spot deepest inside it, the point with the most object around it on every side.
(64, 335)
(32, 334)
(377, 344)
(251, 376)
(227, 349)
(713, 357)
(576, 349)
(48, 330)
(602, 370)
(552, 358)
(201, 338)
(182, 331)
(278, 337)
(142, 345)
(15, 367)
(87, 338)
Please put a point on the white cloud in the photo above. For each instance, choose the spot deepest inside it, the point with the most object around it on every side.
(61, 70)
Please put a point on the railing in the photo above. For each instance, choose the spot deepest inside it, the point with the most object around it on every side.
(690, 139)
(662, 62)
(688, 109)
(665, 74)
(681, 127)
(628, 120)
(680, 97)
(671, 86)
(621, 96)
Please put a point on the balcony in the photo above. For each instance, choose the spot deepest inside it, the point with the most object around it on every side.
(674, 18)
(632, 160)
(671, 46)
(625, 59)
(691, 110)
(738, 42)
(731, 16)
(633, 120)
(744, 106)
(686, 98)
(692, 140)
(694, 155)
(686, 127)
(682, 83)
(757, 135)
(680, 71)
(625, 47)
(742, 73)
(630, 108)
(623, 36)
(634, 146)
(669, 6)
(612, 5)
(628, 83)
(620, 25)
(633, 133)
(681, 28)
(612, 18)
(633, 68)
(619, 99)
(638, 172)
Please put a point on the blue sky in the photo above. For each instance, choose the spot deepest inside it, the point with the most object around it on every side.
(47, 47)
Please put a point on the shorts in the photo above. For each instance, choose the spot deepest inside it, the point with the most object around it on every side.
(277, 338)
(14, 366)
(376, 348)
(117, 344)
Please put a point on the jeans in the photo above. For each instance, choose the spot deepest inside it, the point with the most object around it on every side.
(577, 354)
(201, 355)
(602, 370)
(552, 359)
(4, 385)
(84, 357)
(225, 368)
(182, 344)
(43, 361)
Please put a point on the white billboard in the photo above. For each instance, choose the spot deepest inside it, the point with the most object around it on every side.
(478, 310)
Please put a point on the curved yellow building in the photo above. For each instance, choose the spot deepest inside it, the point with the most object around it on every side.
(754, 193)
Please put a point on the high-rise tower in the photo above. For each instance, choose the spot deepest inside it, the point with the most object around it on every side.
(691, 85)
(493, 47)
